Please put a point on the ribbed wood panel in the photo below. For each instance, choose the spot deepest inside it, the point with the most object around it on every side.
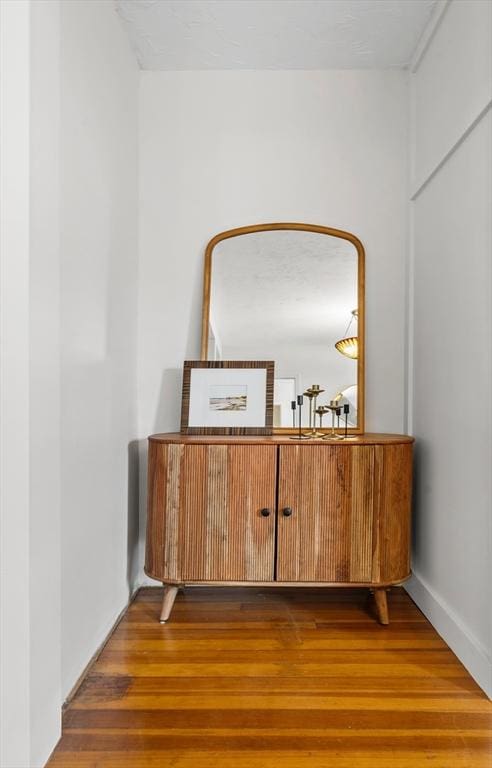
(156, 507)
(204, 512)
(362, 514)
(329, 535)
(171, 547)
(232, 540)
(393, 503)
(252, 488)
(193, 506)
(350, 501)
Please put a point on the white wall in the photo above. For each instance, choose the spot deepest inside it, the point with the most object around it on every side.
(450, 327)
(69, 516)
(224, 149)
(98, 320)
(30, 720)
(44, 395)
(14, 385)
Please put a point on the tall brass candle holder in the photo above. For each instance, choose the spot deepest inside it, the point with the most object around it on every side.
(321, 410)
(333, 407)
(312, 393)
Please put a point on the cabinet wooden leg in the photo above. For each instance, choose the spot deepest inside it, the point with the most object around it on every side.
(170, 592)
(381, 605)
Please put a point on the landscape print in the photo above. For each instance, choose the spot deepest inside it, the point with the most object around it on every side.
(228, 397)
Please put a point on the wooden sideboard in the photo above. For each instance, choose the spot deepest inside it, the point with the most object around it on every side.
(272, 511)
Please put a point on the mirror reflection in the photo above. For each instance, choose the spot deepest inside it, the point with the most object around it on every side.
(289, 296)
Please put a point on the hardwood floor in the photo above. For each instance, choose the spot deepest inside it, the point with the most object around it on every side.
(260, 678)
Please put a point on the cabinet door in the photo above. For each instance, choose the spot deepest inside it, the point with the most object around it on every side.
(211, 502)
(329, 535)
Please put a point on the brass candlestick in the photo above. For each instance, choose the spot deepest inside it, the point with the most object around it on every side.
(309, 394)
(312, 393)
(321, 410)
(333, 406)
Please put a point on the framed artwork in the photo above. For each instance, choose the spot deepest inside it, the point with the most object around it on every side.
(227, 397)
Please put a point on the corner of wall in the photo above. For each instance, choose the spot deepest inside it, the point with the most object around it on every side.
(441, 130)
(466, 647)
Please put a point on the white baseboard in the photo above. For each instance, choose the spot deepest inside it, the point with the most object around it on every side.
(468, 650)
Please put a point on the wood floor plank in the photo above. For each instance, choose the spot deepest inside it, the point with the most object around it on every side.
(345, 641)
(298, 701)
(281, 719)
(272, 759)
(298, 655)
(331, 743)
(119, 686)
(277, 669)
(266, 678)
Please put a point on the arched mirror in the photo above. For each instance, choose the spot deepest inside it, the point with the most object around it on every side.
(292, 293)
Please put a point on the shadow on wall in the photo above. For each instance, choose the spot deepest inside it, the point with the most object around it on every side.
(168, 411)
(132, 568)
(422, 474)
(166, 420)
(193, 339)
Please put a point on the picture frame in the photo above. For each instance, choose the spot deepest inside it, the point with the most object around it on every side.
(227, 397)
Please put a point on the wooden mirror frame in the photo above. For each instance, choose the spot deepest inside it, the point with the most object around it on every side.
(359, 429)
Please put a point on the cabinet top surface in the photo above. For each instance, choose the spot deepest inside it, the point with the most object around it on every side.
(369, 438)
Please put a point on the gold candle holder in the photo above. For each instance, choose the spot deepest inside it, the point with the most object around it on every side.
(312, 393)
(333, 434)
(321, 410)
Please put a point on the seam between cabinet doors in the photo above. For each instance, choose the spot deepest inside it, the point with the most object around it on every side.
(277, 492)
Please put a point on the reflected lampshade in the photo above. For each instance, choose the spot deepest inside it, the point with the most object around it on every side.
(349, 347)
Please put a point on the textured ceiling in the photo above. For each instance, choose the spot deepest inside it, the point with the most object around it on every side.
(273, 34)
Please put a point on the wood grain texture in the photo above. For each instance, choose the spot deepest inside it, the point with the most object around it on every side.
(169, 597)
(260, 429)
(162, 522)
(381, 600)
(350, 500)
(329, 535)
(351, 513)
(369, 438)
(319, 229)
(393, 467)
(395, 519)
(204, 516)
(259, 678)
